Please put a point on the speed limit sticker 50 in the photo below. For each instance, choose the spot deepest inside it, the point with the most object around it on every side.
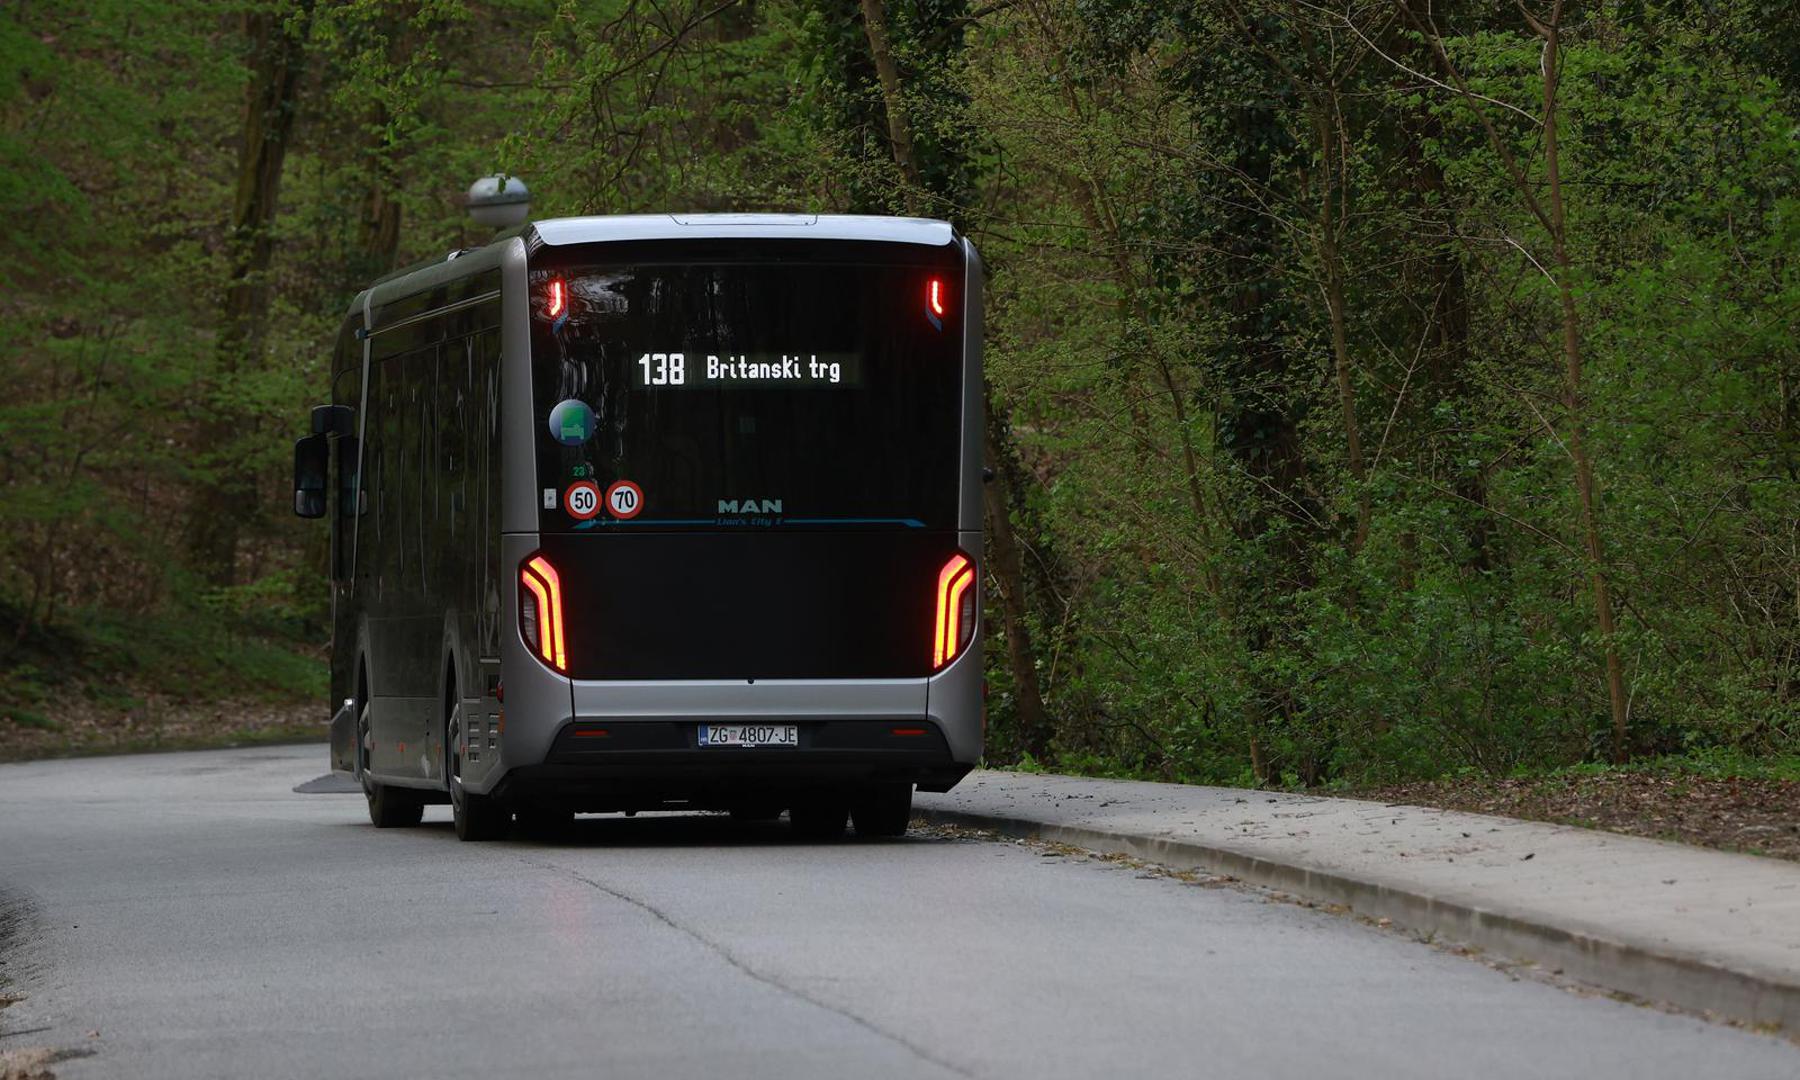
(624, 499)
(582, 500)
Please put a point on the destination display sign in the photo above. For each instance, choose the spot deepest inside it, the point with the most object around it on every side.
(657, 370)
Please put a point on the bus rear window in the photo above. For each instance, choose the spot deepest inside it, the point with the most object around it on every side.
(792, 394)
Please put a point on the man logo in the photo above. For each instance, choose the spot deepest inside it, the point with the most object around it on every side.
(749, 506)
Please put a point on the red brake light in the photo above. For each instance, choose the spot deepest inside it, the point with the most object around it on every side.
(935, 296)
(541, 611)
(955, 610)
(558, 301)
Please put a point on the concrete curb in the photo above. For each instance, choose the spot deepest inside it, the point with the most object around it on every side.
(1653, 971)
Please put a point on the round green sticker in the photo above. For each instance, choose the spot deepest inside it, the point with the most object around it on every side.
(571, 422)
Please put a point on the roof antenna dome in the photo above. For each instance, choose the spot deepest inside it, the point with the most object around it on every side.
(499, 201)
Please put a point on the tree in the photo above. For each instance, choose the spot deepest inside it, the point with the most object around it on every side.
(275, 47)
(1004, 563)
(1554, 220)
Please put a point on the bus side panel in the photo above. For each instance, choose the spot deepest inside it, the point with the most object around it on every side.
(519, 509)
(467, 521)
(955, 693)
(953, 696)
(974, 447)
(432, 470)
(487, 584)
(538, 700)
(346, 390)
(396, 613)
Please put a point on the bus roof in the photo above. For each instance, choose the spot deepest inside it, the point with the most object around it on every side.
(601, 229)
(589, 230)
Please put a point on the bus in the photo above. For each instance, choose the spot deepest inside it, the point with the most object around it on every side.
(658, 512)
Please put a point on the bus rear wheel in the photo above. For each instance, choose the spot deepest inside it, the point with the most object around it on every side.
(477, 817)
(754, 811)
(882, 809)
(389, 807)
(544, 823)
(394, 808)
(818, 818)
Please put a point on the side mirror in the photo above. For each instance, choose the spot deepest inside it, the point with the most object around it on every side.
(312, 461)
(333, 420)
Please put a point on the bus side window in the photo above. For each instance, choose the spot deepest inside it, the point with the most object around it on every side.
(419, 370)
(346, 389)
(452, 376)
(484, 426)
(405, 469)
(368, 529)
(393, 444)
(348, 499)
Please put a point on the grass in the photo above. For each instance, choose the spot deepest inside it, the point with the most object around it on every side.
(25, 718)
(109, 682)
(110, 658)
(228, 739)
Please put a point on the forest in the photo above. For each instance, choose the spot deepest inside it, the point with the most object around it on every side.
(1378, 390)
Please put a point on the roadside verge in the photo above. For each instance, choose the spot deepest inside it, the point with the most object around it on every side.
(1704, 930)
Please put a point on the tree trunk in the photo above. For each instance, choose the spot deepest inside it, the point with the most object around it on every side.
(1573, 402)
(1330, 255)
(900, 138)
(1554, 222)
(378, 224)
(1008, 574)
(1444, 375)
(378, 239)
(225, 491)
(1330, 250)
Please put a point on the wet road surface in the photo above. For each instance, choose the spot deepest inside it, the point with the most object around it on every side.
(189, 915)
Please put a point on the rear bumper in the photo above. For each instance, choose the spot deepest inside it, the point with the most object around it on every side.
(644, 765)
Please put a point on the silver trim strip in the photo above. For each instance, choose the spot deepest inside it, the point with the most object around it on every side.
(486, 297)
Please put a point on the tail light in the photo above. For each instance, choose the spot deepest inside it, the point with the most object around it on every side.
(541, 611)
(955, 610)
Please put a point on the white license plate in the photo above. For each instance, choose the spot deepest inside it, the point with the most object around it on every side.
(749, 735)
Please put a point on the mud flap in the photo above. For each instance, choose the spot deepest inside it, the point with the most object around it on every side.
(343, 738)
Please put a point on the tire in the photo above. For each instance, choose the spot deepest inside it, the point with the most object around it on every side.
(819, 819)
(882, 810)
(394, 808)
(541, 824)
(477, 817)
(389, 807)
(755, 812)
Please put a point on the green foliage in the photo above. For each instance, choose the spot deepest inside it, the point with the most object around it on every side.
(110, 657)
(1178, 205)
(1237, 604)
(25, 718)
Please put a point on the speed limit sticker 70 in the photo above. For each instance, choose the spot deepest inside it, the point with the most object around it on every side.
(624, 499)
(582, 500)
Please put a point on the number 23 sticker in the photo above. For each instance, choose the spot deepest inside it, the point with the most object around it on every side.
(624, 499)
(582, 500)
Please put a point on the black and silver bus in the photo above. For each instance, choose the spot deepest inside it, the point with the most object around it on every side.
(654, 512)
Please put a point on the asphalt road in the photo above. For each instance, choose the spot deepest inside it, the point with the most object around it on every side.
(205, 920)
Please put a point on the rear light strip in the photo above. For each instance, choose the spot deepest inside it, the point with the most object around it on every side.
(544, 632)
(953, 628)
